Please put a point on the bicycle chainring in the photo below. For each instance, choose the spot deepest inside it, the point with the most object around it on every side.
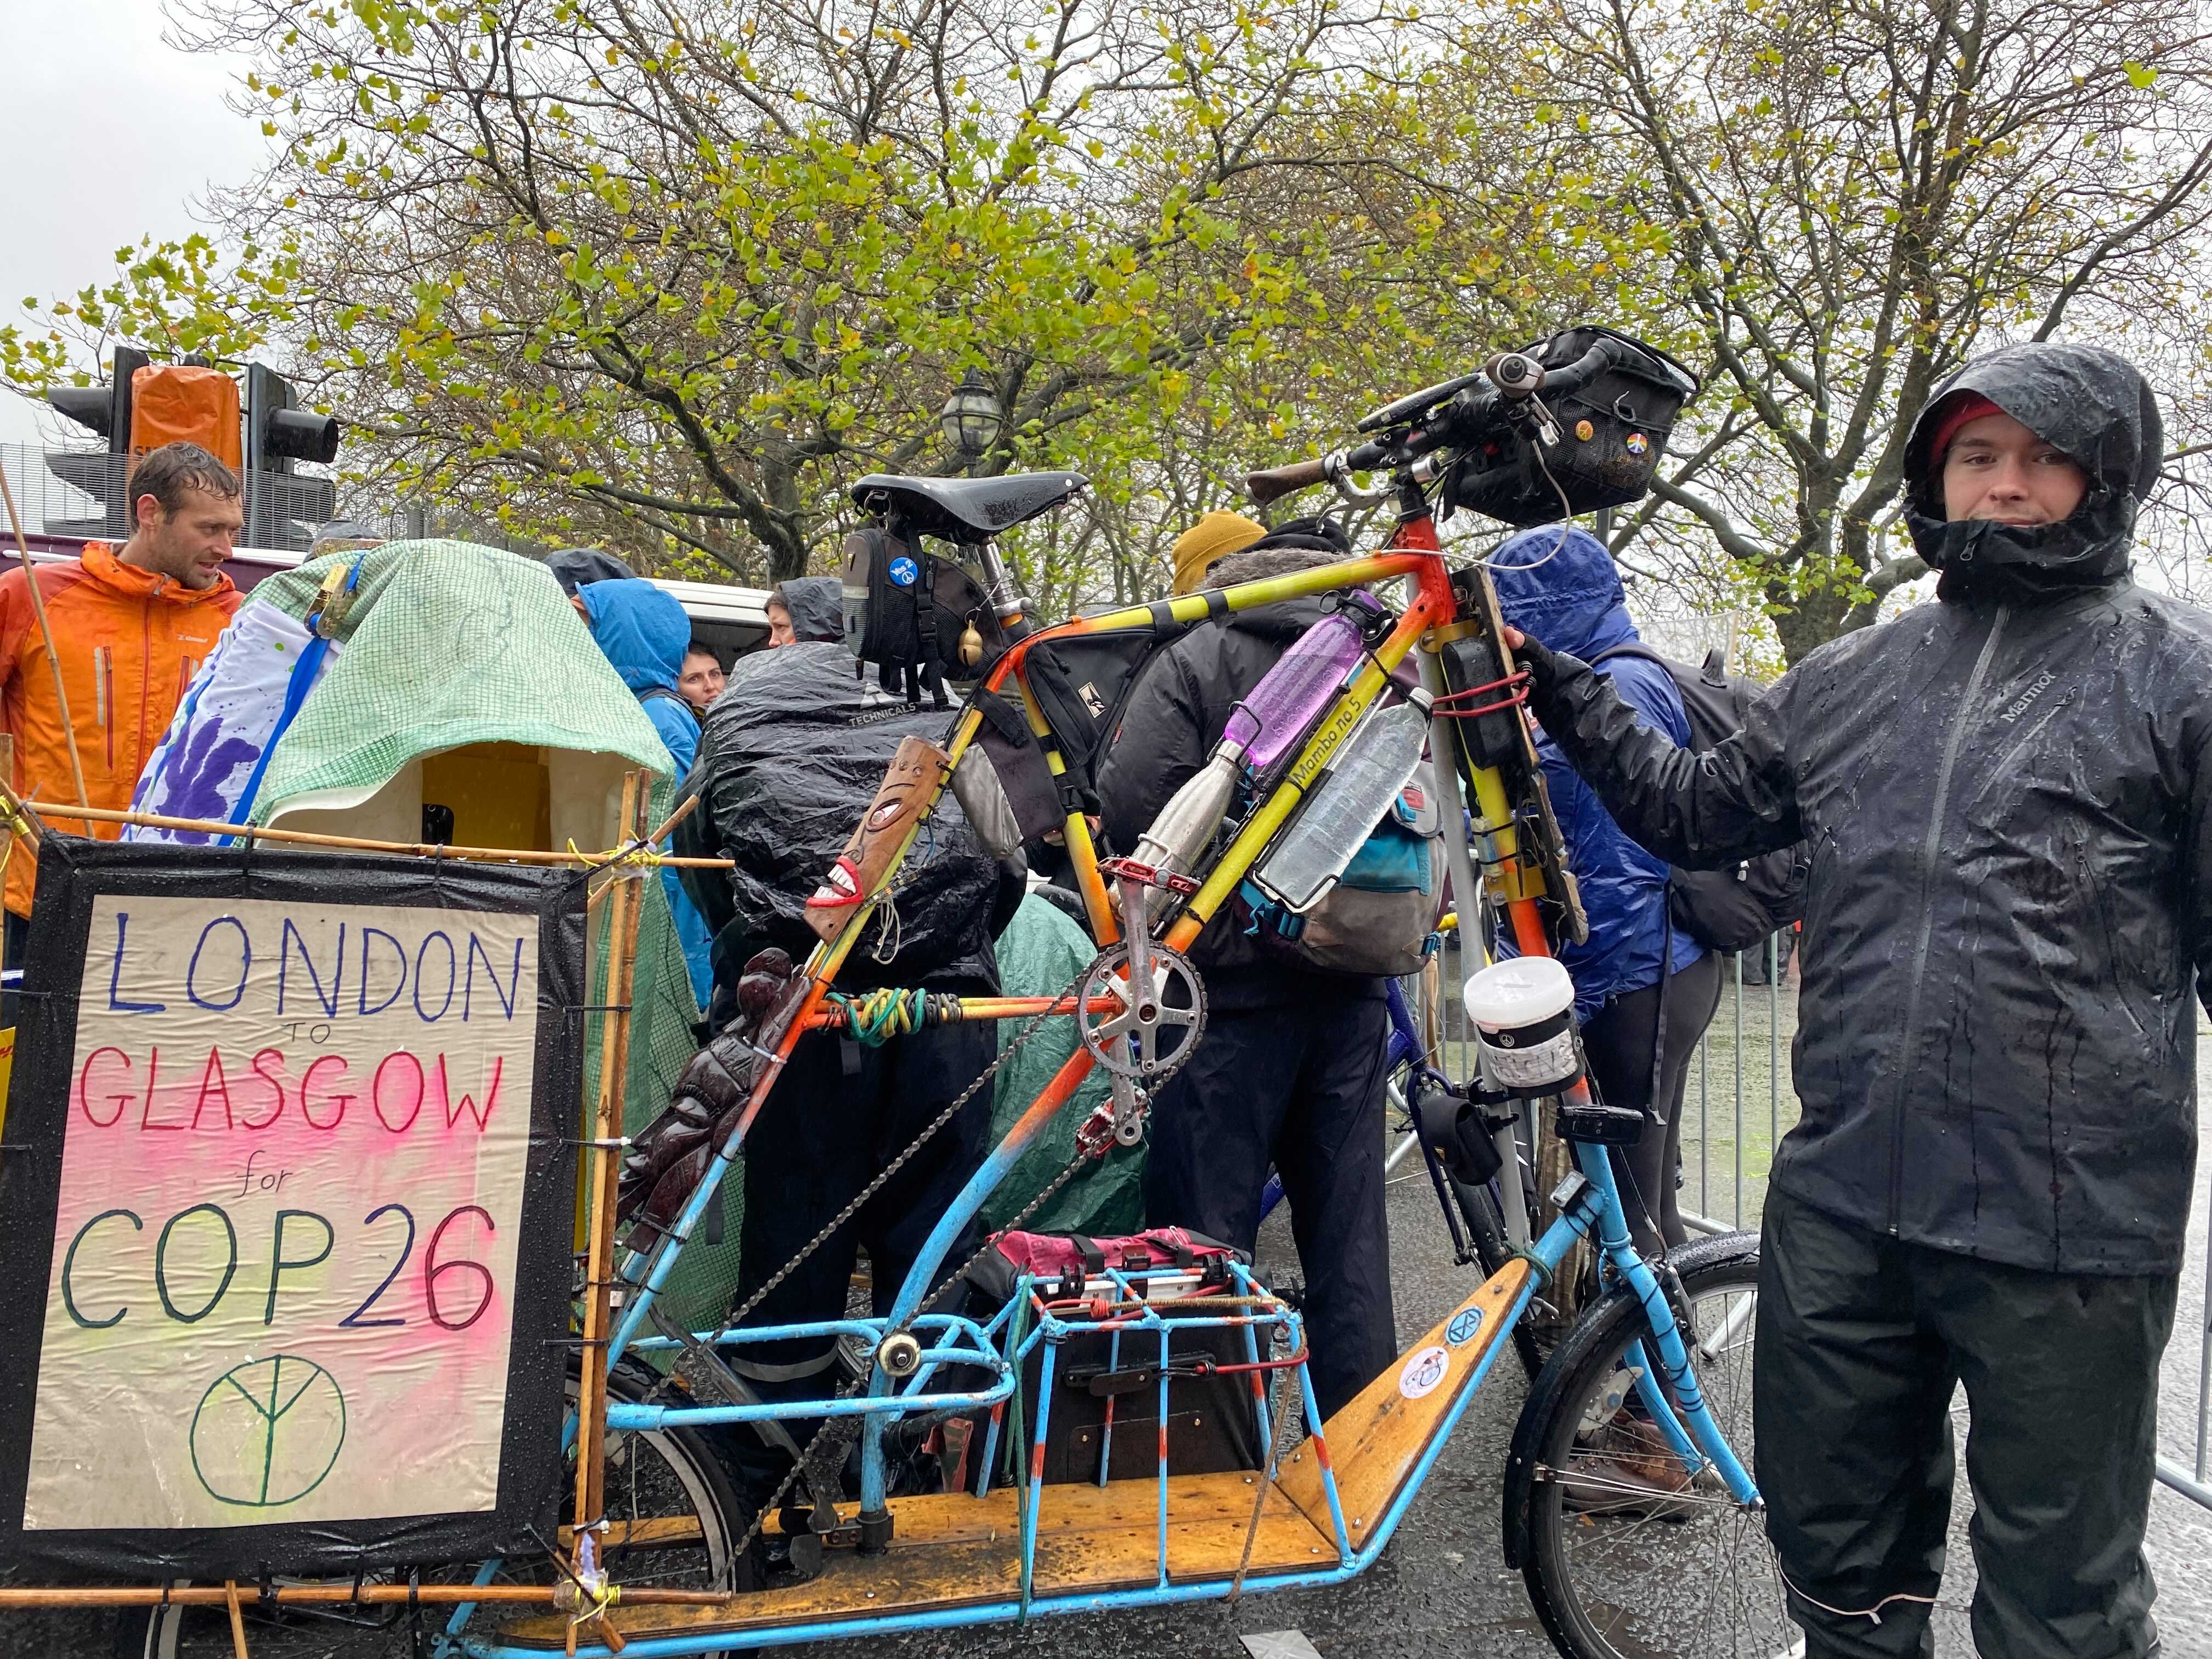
(1157, 1025)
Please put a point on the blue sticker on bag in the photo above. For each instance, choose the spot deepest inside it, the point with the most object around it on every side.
(903, 571)
(1463, 1329)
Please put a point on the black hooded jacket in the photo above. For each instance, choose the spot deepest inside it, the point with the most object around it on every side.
(815, 606)
(2010, 904)
(1176, 714)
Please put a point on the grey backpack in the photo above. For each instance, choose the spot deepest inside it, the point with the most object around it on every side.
(1379, 918)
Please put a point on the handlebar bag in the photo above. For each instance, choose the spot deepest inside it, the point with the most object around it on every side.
(1612, 434)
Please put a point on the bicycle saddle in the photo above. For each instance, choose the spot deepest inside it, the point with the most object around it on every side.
(966, 509)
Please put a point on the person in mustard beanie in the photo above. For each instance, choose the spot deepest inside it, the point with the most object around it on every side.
(1214, 537)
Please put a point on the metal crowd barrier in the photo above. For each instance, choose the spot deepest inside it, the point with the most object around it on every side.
(1737, 1106)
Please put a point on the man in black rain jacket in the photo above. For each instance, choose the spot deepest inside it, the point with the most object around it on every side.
(2009, 913)
(1290, 1069)
(791, 755)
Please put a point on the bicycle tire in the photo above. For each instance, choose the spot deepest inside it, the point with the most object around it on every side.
(1614, 1577)
(688, 1456)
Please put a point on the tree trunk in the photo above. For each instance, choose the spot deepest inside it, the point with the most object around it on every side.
(1812, 619)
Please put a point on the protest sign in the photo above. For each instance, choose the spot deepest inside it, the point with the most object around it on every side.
(301, 1125)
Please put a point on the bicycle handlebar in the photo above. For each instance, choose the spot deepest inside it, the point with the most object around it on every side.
(1279, 481)
(1458, 413)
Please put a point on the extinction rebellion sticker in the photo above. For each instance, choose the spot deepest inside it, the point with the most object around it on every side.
(1463, 1326)
(1423, 1370)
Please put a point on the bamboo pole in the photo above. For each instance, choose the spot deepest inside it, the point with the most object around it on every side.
(606, 1128)
(661, 833)
(24, 822)
(46, 633)
(360, 844)
(237, 1620)
(338, 1592)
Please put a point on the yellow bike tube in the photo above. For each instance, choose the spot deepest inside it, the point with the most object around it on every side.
(1335, 726)
(1105, 922)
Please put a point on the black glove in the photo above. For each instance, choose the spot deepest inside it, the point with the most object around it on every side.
(1542, 663)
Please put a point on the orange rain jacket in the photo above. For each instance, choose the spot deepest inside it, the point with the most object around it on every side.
(130, 642)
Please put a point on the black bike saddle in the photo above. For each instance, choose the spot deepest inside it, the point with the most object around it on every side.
(966, 509)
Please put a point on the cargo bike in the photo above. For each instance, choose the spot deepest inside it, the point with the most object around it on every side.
(1628, 1501)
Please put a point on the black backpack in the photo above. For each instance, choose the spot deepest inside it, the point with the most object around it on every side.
(1725, 910)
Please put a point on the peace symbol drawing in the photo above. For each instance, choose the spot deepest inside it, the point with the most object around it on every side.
(266, 1432)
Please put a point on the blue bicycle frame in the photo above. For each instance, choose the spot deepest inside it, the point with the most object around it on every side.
(1589, 1208)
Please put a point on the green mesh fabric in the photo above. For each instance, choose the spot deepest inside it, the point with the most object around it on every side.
(449, 643)
(1041, 950)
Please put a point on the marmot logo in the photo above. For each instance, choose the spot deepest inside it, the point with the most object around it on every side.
(2021, 704)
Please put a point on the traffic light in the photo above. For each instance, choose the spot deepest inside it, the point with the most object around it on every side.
(107, 410)
(145, 404)
(282, 509)
(183, 402)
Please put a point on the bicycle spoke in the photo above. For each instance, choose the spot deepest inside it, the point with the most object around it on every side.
(1681, 1572)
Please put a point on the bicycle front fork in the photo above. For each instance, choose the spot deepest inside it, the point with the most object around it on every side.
(1666, 1382)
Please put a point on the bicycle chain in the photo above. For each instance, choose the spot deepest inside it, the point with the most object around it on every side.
(1083, 1156)
(829, 1229)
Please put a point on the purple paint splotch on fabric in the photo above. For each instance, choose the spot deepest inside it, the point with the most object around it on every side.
(227, 717)
(204, 782)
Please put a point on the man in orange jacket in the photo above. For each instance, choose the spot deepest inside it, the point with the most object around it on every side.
(130, 625)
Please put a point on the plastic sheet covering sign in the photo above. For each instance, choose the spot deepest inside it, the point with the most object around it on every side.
(284, 1281)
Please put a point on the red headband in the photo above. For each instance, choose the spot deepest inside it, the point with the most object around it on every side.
(1958, 409)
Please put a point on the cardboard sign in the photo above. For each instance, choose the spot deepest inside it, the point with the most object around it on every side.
(286, 1226)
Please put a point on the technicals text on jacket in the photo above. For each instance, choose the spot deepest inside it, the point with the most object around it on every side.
(2010, 902)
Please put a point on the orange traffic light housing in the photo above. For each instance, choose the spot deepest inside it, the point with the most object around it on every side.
(183, 403)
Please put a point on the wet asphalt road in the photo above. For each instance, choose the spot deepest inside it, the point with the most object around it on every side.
(1441, 1589)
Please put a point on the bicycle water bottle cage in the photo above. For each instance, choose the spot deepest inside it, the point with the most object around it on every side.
(1598, 1124)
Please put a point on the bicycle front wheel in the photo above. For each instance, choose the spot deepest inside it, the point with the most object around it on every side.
(1624, 1555)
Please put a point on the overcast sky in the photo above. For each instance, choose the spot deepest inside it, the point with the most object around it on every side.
(115, 135)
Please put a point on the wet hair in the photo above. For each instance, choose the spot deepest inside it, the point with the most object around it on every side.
(167, 472)
(701, 648)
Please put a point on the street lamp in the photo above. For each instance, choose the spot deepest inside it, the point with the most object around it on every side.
(972, 415)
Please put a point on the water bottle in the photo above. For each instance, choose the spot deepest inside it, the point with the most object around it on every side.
(1378, 761)
(1263, 728)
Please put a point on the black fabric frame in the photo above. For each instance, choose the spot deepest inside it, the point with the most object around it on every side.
(72, 873)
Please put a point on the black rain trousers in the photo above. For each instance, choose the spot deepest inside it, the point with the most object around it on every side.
(839, 1113)
(1300, 1086)
(1618, 1042)
(1862, 1342)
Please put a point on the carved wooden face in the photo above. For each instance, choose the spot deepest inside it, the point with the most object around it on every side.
(906, 780)
(901, 797)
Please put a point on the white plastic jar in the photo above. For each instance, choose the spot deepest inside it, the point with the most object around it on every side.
(1523, 1014)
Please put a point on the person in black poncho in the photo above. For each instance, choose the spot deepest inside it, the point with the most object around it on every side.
(790, 756)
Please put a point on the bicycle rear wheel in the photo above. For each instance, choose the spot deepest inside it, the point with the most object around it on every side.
(1617, 1567)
